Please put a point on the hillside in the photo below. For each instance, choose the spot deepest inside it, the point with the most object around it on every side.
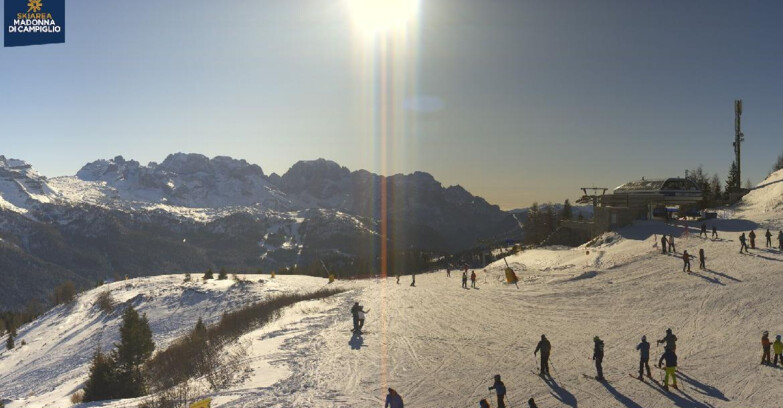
(190, 212)
(440, 345)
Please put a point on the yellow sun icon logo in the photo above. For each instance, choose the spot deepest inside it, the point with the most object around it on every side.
(35, 5)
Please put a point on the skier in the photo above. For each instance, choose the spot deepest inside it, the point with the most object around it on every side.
(484, 404)
(686, 259)
(413, 279)
(500, 390)
(742, 243)
(531, 403)
(398, 278)
(355, 312)
(765, 345)
(598, 356)
(671, 243)
(644, 357)
(663, 244)
(752, 236)
(393, 400)
(769, 238)
(701, 259)
(464, 280)
(670, 341)
(360, 318)
(448, 272)
(545, 348)
(780, 240)
(703, 230)
(671, 368)
(473, 279)
(777, 347)
(714, 232)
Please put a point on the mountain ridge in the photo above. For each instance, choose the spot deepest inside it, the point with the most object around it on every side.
(189, 212)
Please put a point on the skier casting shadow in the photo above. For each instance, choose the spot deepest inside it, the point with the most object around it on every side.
(687, 402)
(627, 402)
(560, 393)
(702, 388)
(356, 341)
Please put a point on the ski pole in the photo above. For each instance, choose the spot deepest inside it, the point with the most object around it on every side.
(536, 361)
(553, 367)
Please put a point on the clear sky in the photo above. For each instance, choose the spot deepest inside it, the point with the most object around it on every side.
(517, 101)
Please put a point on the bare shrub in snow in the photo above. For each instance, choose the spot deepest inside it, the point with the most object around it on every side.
(77, 397)
(105, 302)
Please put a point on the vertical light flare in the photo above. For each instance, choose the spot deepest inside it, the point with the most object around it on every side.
(386, 36)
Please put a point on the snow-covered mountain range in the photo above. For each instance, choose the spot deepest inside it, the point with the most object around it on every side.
(117, 217)
(439, 345)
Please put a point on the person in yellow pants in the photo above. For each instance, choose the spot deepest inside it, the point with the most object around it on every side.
(671, 368)
(777, 346)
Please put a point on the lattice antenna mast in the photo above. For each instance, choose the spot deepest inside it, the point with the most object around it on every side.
(738, 138)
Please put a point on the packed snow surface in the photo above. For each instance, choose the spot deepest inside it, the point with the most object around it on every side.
(440, 345)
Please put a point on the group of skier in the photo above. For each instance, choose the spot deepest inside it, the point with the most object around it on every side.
(667, 244)
(777, 347)
(669, 357)
(752, 237)
(465, 279)
(704, 231)
(358, 312)
(500, 392)
(668, 360)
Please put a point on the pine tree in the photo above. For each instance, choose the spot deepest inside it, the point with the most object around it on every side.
(102, 382)
(732, 181)
(778, 163)
(550, 221)
(135, 348)
(715, 187)
(531, 224)
(208, 274)
(568, 212)
(136, 345)
(200, 330)
(580, 217)
(222, 275)
(9, 344)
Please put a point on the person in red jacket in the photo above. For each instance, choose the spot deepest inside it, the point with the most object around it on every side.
(765, 345)
(686, 259)
(473, 279)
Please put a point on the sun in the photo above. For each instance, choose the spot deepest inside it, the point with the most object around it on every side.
(377, 16)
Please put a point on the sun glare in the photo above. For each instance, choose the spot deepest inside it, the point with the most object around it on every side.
(375, 16)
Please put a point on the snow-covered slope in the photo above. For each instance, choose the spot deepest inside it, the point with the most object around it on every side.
(439, 345)
(54, 362)
(191, 212)
(21, 187)
(764, 203)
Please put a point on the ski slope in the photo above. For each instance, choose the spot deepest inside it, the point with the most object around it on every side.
(439, 345)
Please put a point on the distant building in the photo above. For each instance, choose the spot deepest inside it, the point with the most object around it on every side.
(648, 199)
(641, 199)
